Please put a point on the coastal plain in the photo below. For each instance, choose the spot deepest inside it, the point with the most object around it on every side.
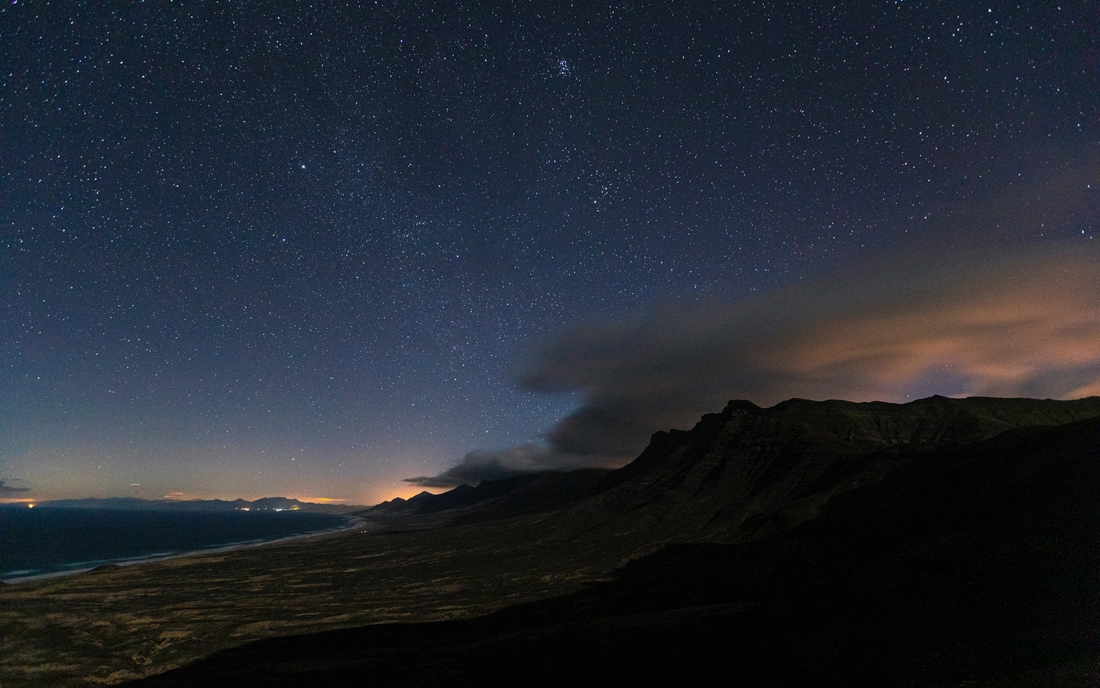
(117, 623)
(940, 542)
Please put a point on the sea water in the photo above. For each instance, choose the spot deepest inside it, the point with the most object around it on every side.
(46, 540)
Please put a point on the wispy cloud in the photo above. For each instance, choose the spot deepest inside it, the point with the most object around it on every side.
(1022, 323)
(10, 490)
(481, 465)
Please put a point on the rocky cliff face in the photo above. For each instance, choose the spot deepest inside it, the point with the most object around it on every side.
(740, 474)
(970, 562)
(751, 471)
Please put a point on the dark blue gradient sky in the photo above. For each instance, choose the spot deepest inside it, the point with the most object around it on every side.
(303, 249)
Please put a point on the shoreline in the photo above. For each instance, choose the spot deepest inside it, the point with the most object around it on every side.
(354, 522)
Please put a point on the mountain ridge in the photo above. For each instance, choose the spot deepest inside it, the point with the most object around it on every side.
(489, 499)
(744, 471)
(967, 563)
(811, 543)
(748, 462)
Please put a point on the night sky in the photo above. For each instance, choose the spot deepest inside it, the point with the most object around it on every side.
(315, 250)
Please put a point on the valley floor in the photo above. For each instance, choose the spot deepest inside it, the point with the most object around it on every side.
(766, 547)
(120, 623)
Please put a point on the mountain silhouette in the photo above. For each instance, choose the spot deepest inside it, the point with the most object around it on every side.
(941, 542)
(490, 499)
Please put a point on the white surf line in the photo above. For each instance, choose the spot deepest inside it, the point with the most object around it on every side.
(355, 523)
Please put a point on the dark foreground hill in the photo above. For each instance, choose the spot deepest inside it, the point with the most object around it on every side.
(946, 542)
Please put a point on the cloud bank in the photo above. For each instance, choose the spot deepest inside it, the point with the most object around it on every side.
(1025, 323)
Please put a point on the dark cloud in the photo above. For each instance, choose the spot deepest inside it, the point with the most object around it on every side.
(1019, 324)
(9, 491)
(481, 465)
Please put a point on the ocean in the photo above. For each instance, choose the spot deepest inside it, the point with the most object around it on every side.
(46, 540)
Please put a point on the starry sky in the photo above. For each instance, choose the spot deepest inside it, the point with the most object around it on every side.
(320, 249)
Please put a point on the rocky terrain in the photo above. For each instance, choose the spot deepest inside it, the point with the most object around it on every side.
(942, 542)
(748, 472)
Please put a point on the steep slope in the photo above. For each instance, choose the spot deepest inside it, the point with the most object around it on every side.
(749, 471)
(872, 544)
(742, 473)
(974, 565)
